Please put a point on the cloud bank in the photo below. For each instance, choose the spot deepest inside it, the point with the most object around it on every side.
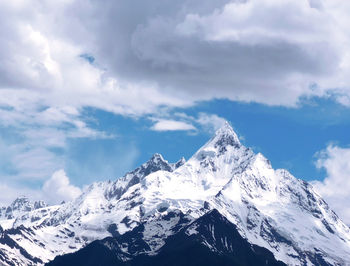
(130, 58)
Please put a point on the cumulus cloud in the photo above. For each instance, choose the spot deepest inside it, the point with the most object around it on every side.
(268, 51)
(41, 67)
(47, 80)
(335, 188)
(158, 53)
(58, 188)
(55, 189)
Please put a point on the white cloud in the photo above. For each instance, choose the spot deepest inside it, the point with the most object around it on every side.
(55, 189)
(267, 51)
(210, 122)
(172, 125)
(58, 188)
(45, 86)
(8, 193)
(335, 188)
(242, 50)
(171, 54)
(42, 68)
(204, 122)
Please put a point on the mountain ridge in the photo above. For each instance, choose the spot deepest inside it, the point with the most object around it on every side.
(270, 208)
(209, 240)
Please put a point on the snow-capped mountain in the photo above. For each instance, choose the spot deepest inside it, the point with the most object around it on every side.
(269, 208)
(20, 206)
(209, 240)
(37, 236)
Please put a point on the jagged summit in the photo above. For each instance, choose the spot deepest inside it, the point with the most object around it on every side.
(155, 163)
(23, 203)
(225, 135)
(180, 162)
(156, 158)
(20, 205)
(224, 139)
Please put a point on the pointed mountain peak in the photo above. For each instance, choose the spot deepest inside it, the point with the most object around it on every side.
(156, 158)
(180, 162)
(155, 163)
(225, 136)
(21, 200)
(226, 130)
(40, 204)
(23, 203)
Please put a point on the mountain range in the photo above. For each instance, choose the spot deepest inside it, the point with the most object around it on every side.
(226, 205)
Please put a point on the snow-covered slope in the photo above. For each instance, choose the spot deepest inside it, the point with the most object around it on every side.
(270, 208)
(37, 236)
(207, 241)
(20, 206)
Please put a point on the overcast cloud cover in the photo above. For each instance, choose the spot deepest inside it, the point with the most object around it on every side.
(137, 58)
(268, 51)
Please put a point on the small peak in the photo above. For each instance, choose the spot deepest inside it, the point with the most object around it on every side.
(156, 158)
(155, 163)
(21, 203)
(180, 162)
(39, 204)
(259, 158)
(20, 200)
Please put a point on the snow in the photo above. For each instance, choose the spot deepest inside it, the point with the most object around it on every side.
(270, 208)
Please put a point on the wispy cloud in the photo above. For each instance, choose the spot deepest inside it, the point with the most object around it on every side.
(211, 122)
(180, 121)
(171, 125)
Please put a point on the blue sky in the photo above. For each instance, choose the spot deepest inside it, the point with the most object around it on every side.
(91, 89)
(289, 137)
